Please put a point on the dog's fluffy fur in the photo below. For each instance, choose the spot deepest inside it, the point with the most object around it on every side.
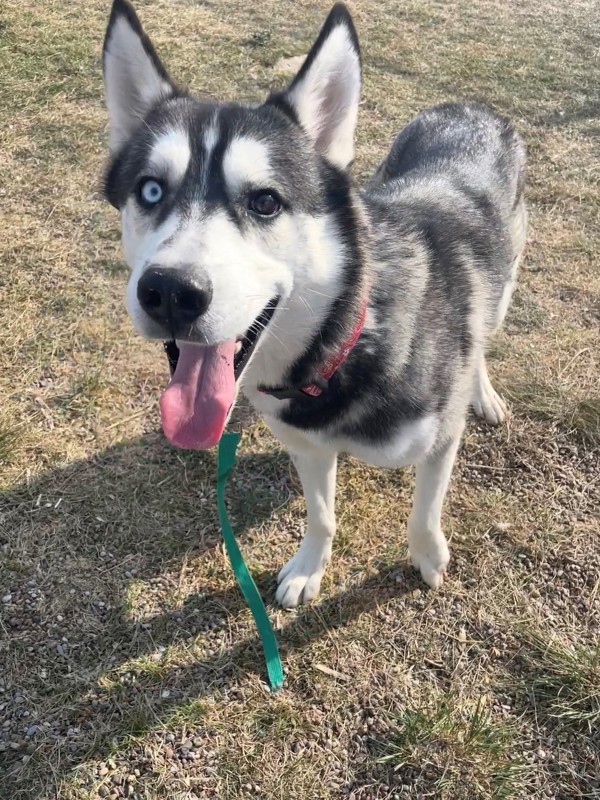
(433, 240)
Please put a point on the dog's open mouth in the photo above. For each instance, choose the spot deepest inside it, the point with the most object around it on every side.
(196, 404)
(244, 346)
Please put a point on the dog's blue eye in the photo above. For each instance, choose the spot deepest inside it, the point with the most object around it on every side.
(150, 192)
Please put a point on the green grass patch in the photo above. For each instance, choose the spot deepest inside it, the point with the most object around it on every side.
(454, 753)
(562, 682)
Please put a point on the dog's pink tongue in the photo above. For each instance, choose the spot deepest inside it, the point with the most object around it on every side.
(195, 405)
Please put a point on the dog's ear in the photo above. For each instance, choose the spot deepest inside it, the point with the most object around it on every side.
(134, 77)
(325, 93)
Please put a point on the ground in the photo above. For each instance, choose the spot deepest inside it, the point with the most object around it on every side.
(129, 664)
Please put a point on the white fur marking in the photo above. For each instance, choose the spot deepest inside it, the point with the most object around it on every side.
(171, 154)
(209, 140)
(246, 163)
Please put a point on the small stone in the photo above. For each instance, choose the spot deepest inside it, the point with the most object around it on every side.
(7, 598)
(31, 731)
(103, 791)
(103, 771)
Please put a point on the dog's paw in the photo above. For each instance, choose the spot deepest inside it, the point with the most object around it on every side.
(488, 405)
(432, 563)
(300, 579)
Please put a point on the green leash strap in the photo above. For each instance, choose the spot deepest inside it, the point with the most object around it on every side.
(225, 463)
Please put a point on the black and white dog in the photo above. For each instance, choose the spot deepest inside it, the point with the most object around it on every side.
(354, 321)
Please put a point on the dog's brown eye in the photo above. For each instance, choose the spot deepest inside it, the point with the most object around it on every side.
(265, 204)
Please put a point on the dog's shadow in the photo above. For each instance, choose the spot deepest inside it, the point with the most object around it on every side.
(86, 545)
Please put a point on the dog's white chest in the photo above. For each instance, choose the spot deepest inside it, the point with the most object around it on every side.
(411, 444)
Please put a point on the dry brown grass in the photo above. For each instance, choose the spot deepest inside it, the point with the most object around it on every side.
(125, 639)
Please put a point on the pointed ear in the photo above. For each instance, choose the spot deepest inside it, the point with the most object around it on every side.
(134, 77)
(324, 95)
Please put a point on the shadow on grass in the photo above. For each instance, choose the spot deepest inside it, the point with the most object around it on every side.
(587, 112)
(79, 543)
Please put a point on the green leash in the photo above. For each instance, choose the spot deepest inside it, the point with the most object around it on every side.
(225, 463)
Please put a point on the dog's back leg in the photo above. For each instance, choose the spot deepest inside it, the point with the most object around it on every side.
(486, 402)
(426, 541)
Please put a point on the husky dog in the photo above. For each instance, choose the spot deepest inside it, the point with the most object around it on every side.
(355, 321)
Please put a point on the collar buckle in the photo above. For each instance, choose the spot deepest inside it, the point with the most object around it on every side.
(315, 389)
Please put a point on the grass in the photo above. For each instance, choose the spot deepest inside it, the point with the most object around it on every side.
(563, 682)
(10, 440)
(551, 403)
(454, 755)
(128, 660)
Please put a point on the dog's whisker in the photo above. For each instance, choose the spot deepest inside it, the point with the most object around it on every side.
(272, 328)
(305, 302)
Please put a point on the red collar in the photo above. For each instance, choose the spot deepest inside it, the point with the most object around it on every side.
(335, 362)
(328, 370)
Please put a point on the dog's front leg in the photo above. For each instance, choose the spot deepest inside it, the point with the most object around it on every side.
(300, 579)
(426, 541)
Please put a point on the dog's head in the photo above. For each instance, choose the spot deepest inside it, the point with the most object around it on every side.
(227, 210)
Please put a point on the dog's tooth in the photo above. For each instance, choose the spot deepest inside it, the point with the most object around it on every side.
(238, 347)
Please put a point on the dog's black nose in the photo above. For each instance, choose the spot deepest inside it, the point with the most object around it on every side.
(172, 297)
